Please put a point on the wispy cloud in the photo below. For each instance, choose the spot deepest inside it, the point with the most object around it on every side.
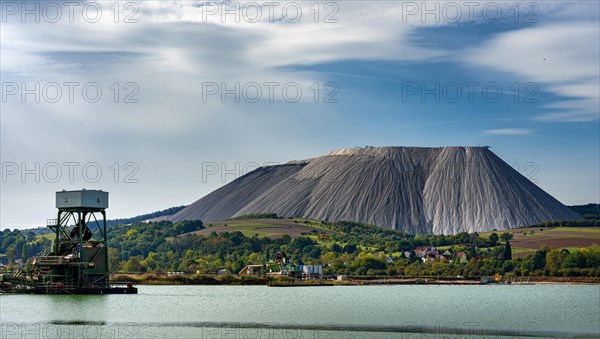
(508, 131)
(561, 57)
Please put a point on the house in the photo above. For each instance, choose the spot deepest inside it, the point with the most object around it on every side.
(431, 254)
(421, 251)
(428, 258)
(390, 260)
(312, 269)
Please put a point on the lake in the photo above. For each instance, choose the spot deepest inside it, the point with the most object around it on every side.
(389, 311)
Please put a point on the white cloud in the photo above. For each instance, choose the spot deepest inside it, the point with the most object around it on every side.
(561, 58)
(508, 131)
(170, 52)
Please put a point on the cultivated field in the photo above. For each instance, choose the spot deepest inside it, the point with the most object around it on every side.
(527, 240)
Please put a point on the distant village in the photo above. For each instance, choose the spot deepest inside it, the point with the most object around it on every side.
(281, 265)
(431, 254)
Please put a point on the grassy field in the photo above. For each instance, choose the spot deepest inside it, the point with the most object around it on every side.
(272, 228)
(48, 236)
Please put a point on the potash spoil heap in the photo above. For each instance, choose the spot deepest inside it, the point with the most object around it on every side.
(413, 189)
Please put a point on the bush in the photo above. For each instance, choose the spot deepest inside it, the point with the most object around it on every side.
(360, 271)
(228, 279)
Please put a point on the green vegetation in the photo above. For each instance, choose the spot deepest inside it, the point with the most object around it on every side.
(341, 247)
(20, 245)
(257, 216)
(589, 211)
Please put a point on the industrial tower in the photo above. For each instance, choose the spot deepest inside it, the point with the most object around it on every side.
(78, 261)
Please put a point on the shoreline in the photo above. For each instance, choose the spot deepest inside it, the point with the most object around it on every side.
(277, 281)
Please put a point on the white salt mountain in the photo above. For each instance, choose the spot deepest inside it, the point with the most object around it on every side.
(412, 189)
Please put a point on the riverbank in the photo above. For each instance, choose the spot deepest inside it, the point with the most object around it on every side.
(229, 279)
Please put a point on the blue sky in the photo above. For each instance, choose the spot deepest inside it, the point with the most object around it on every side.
(391, 76)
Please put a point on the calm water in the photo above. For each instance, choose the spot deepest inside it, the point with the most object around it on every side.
(310, 312)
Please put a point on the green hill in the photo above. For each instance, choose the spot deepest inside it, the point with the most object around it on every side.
(340, 247)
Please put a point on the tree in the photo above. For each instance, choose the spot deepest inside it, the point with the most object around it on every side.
(350, 248)
(24, 254)
(507, 255)
(535, 261)
(554, 259)
(336, 248)
(113, 260)
(584, 258)
(151, 262)
(11, 255)
(337, 265)
(133, 265)
(370, 262)
(493, 239)
(506, 236)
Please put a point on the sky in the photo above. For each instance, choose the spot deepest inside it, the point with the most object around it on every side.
(161, 102)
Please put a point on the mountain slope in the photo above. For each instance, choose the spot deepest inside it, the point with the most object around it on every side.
(226, 201)
(413, 189)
